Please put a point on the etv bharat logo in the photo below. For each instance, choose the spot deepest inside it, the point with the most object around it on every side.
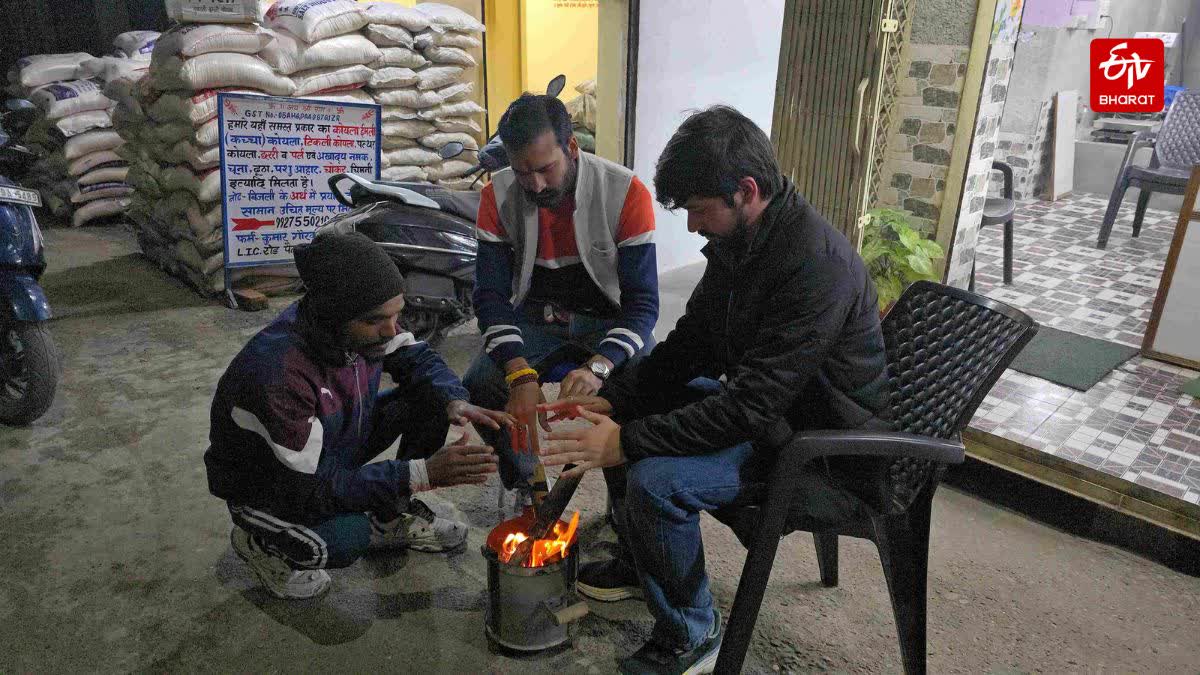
(1127, 75)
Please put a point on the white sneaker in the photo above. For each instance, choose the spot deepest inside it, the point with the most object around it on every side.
(419, 529)
(279, 578)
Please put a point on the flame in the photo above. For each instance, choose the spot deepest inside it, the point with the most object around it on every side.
(545, 551)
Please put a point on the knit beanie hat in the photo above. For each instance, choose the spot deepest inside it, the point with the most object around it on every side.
(346, 275)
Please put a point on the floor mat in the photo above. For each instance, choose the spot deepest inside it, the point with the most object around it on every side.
(1071, 360)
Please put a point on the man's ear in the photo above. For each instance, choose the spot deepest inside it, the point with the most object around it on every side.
(748, 187)
(573, 148)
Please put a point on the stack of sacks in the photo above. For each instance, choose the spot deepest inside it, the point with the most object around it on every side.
(75, 175)
(420, 83)
(318, 45)
(583, 115)
(170, 122)
(45, 137)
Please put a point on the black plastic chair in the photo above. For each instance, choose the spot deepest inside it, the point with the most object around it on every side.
(1176, 151)
(945, 350)
(999, 211)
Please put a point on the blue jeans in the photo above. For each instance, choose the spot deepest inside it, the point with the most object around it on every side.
(656, 506)
(485, 380)
(421, 425)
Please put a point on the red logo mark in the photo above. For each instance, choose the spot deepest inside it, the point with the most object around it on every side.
(1127, 75)
(250, 223)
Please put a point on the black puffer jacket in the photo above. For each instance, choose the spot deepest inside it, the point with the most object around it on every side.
(793, 325)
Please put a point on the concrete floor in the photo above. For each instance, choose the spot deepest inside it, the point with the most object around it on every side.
(119, 559)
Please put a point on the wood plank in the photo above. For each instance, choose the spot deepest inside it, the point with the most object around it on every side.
(1150, 342)
(1062, 173)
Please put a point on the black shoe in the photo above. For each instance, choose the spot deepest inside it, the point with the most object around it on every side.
(654, 659)
(608, 581)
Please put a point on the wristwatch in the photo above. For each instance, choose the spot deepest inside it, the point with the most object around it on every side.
(599, 369)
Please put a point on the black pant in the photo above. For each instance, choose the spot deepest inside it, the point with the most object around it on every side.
(419, 421)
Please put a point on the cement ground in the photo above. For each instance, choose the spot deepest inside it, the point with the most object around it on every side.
(119, 559)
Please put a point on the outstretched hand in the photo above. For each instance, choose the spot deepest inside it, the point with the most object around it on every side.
(461, 412)
(569, 408)
(596, 447)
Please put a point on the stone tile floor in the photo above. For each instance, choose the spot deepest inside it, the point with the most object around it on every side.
(1135, 424)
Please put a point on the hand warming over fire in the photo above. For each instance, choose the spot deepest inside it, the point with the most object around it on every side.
(461, 464)
(596, 447)
(460, 412)
(568, 408)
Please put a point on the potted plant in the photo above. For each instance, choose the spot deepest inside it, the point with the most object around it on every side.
(896, 254)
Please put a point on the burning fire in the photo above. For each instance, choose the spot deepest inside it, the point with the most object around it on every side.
(545, 551)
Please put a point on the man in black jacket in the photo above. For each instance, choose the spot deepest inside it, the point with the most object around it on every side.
(786, 317)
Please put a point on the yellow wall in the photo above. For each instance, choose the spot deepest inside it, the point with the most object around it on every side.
(503, 55)
(558, 37)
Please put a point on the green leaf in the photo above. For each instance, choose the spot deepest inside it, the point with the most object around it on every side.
(920, 264)
(931, 248)
(910, 238)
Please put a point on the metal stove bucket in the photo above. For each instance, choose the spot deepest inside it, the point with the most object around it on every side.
(530, 608)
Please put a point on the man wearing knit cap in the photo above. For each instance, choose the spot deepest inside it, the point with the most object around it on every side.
(298, 416)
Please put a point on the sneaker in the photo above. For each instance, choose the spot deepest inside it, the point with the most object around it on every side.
(654, 659)
(608, 581)
(274, 573)
(420, 529)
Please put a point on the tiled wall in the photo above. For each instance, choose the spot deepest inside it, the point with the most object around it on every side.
(918, 152)
(983, 145)
(1029, 156)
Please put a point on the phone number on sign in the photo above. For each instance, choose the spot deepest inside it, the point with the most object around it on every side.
(287, 222)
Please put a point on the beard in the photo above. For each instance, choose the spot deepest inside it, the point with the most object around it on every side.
(739, 237)
(549, 197)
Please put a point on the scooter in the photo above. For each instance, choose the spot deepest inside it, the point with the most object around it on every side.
(28, 359)
(429, 231)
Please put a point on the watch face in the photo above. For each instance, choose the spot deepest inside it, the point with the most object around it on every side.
(600, 370)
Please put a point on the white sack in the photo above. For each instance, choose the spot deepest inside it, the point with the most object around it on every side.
(217, 11)
(289, 54)
(391, 78)
(349, 96)
(433, 38)
(34, 71)
(398, 113)
(464, 124)
(389, 36)
(194, 39)
(313, 20)
(454, 168)
(96, 191)
(436, 77)
(403, 173)
(92, 160)
(409, 129)
(410, 157)
(99, 209)
(92, 141)
(399, 56)
(113, 174)
(194, 109)
(456, 92)
(437, 139)
(320, 79)
(449, 55)
(79, 123)
(399, 143)
(408, 98)
(449, 18)
(392, 14)
(212, 71)
(460, 109)
(136, 44)
(69, 98)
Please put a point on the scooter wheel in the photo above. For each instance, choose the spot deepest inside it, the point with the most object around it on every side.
(28, 372)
